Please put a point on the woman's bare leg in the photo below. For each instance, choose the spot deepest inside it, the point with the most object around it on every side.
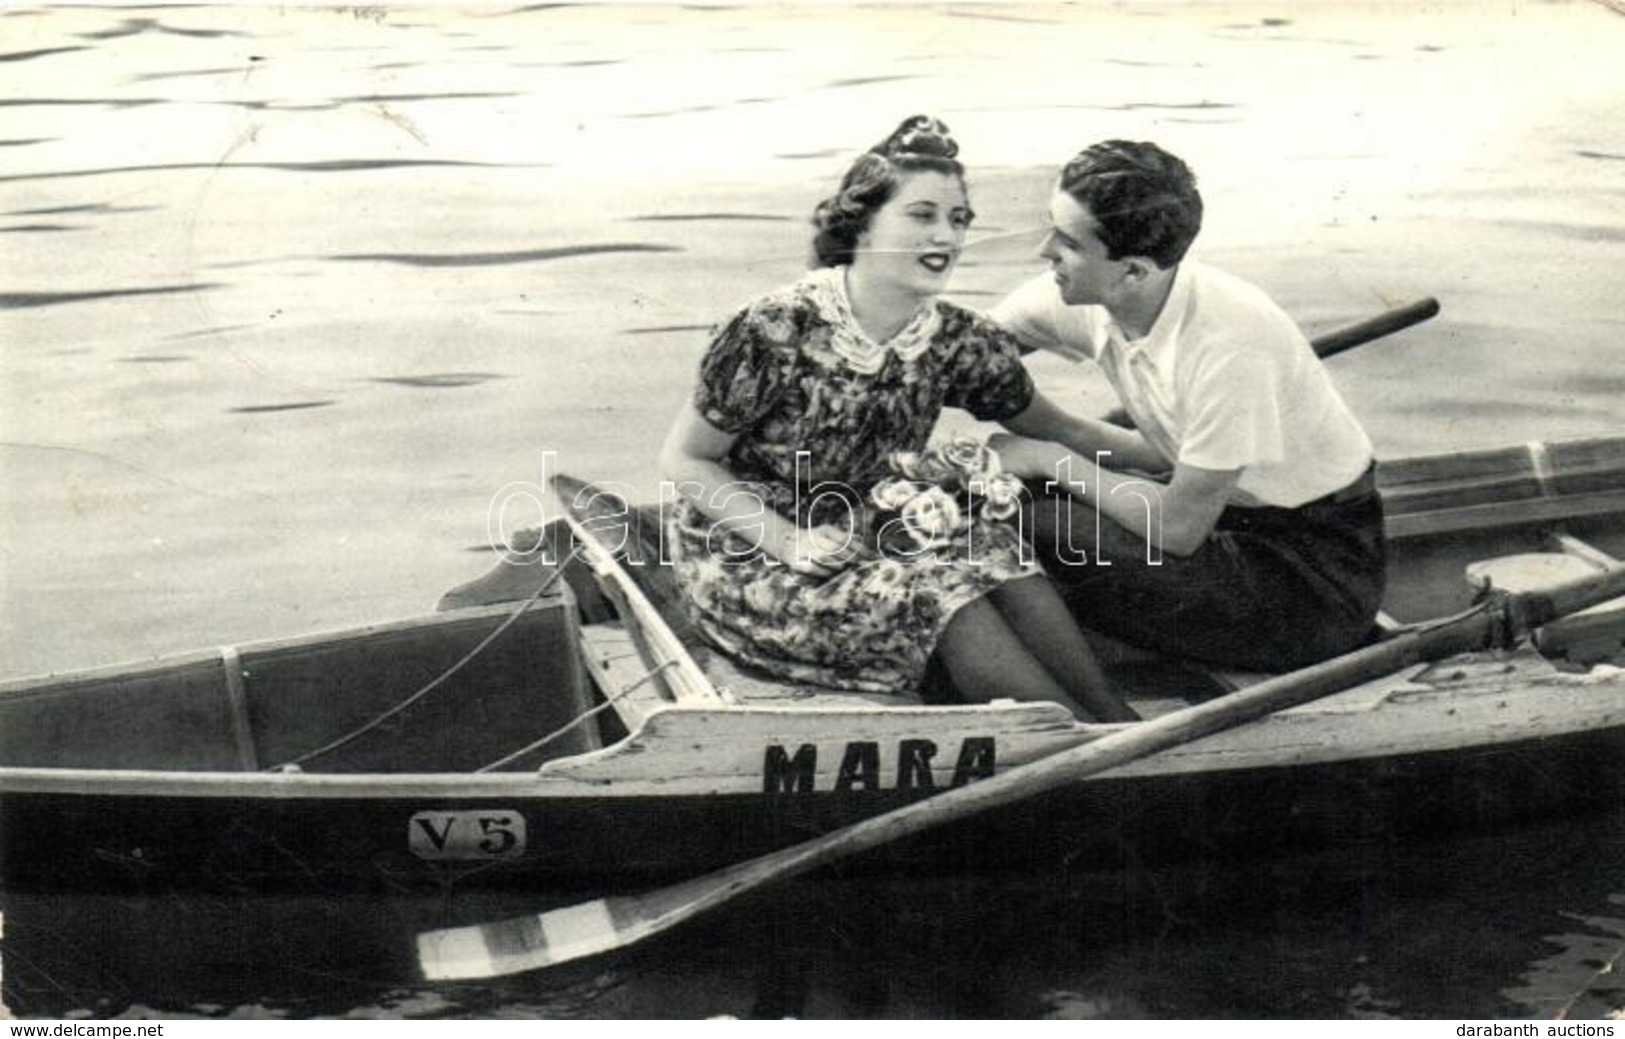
(1039, 617)
(987, 660)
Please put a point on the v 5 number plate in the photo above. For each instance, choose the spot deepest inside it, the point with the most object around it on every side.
(465, 836)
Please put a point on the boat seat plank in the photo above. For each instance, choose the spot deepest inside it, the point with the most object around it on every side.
(616, 667)
(613, 662)
(760, 689)
(1568, 544)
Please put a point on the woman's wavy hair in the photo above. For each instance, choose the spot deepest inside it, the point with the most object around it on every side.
(918, 144)
(1144, 199)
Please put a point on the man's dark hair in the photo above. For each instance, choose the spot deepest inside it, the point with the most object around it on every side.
(1144, 199)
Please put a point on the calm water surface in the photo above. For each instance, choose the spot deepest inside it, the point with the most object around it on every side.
(287, 295)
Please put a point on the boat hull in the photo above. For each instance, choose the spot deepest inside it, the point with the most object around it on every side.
(442, 839)
(473, 747)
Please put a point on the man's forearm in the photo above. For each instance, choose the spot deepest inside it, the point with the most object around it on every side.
(1086, 438)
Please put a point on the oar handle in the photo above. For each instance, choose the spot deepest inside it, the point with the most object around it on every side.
(1362, 332)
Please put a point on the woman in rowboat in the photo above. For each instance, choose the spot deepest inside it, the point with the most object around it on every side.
(804, 399)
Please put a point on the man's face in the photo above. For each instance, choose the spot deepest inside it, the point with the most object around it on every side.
(1077, 255)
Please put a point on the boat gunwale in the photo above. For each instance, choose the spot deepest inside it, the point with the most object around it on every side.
(157, 665)
(565, 776)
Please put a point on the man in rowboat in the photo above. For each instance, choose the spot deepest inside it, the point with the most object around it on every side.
(1260, 543)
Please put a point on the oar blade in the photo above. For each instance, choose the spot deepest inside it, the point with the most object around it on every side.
(575, 932)
(521, 943)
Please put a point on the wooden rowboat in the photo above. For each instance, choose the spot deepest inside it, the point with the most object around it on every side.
(553, 734)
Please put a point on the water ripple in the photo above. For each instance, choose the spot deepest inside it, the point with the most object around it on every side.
(200, 333)
(90, 207)
(864, 81)
(680, 217)
(258, 105)
(136, 26)
(41, 53)
(581, 63)
(825, 153)
(1160, 106)
(991, 17)
(1132, 63)
(697, 109)
(443, 95)
(659, 329)
(541, 8)
(496, 258)
(439, 380)
(148, 77)
(1573, 231)
(19, 300)
(56, 102)
(297, 405)
(322, 166)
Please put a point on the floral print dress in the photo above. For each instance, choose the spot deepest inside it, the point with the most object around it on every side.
(818, 410)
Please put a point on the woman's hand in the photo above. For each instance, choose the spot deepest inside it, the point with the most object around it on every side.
(819, 551)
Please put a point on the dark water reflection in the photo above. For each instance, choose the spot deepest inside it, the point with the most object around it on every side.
(10, 300)
(1522, 923)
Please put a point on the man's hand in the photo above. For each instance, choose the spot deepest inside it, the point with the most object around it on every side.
(1024, 457)
(819, 551)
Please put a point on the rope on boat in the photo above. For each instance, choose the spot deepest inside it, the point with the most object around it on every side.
(435, 683)
(577, 720)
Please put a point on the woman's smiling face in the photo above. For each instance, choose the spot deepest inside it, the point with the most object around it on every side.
(914, 240)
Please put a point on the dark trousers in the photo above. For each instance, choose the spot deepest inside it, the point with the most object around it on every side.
(1270, 590)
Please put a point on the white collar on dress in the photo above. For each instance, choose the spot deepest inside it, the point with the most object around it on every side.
(863, 355)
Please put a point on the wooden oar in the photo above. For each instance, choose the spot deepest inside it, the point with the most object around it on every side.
(1330, 344)
(1348, 337)
(602, 925)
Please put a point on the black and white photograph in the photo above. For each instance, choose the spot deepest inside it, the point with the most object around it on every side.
(819, 511)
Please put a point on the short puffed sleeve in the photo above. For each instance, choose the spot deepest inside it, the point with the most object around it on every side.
(985, 374)
(750, 363)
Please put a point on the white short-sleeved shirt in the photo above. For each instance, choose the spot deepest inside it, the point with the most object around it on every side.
(1224, 380)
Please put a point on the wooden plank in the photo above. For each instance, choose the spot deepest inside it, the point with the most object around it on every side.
(747, 688)
(1534, 482)
(1443, 469)
(242, 725)
(661, 648)
(618, 669)
(1570, 545)
(1586, 466)
(1495, 515)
